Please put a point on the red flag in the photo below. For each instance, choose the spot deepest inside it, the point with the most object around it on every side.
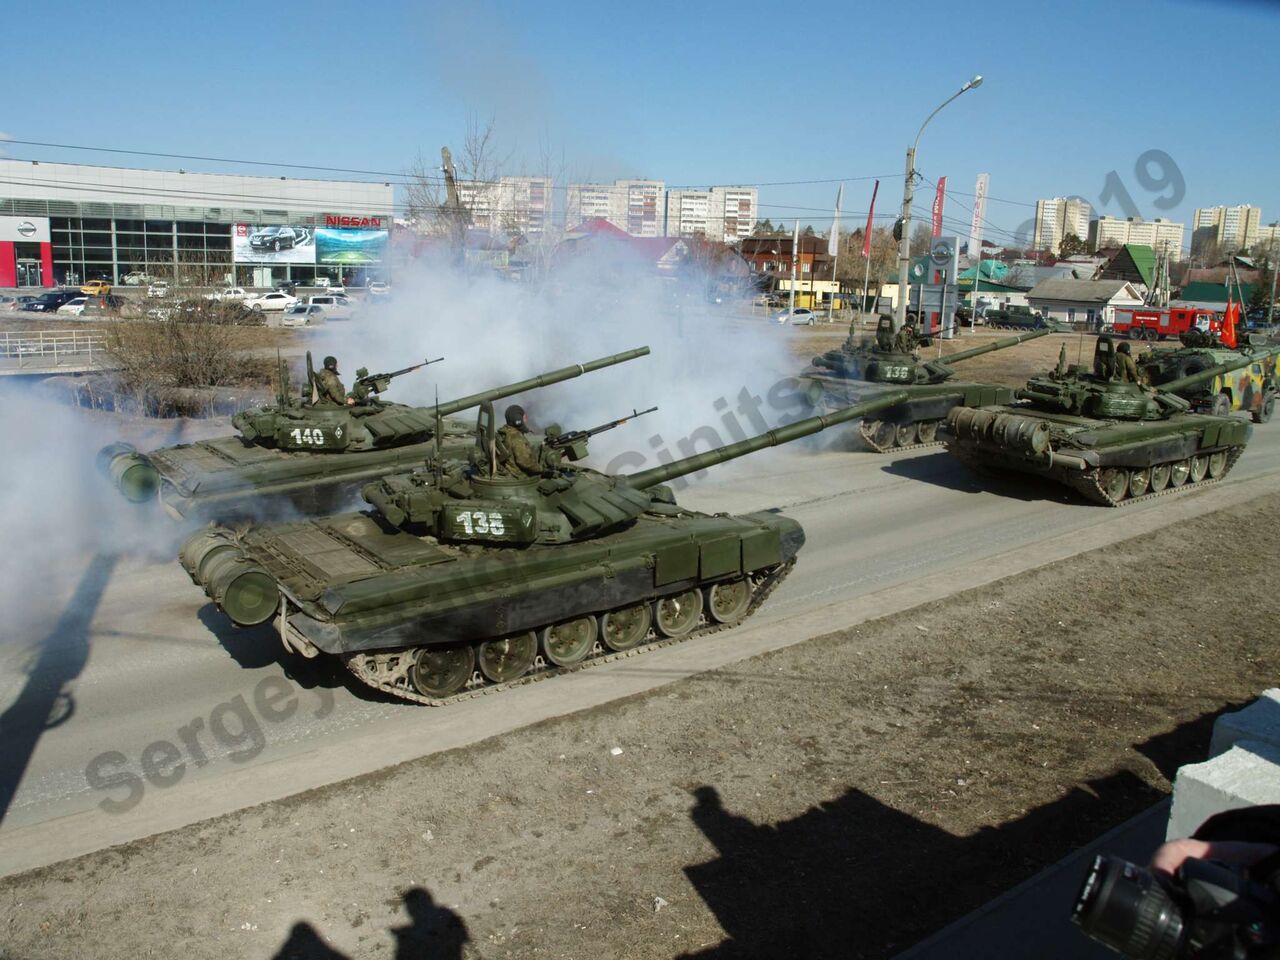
(866, 234)
(937, 206)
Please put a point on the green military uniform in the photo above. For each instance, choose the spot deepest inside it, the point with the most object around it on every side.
(904, 341)
(329, 387)
(1126, 369)
(515, 453)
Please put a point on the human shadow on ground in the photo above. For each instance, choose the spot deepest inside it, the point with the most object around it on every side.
(434, 932)
(47, 699)
(854, 877)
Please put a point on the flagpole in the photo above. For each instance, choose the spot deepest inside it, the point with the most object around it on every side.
(795, 248)
(833, 248)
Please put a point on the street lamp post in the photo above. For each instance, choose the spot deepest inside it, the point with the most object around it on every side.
(904, 244)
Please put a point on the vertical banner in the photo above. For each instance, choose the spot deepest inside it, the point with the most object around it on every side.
(979, 214)
(871, 213)
(937, 206)
(833, 241)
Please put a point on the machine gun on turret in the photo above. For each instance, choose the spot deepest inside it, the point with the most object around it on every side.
(573, 444)
(367, 383)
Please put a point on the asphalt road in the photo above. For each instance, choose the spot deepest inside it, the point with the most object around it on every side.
(193, 718)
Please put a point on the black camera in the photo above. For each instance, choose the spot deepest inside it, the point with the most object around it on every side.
(1210, 910)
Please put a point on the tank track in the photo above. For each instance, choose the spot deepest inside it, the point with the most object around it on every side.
(893, 448)
(1087, 484)
(388, 672)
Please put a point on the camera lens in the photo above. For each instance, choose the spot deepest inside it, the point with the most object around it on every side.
(1128, 909)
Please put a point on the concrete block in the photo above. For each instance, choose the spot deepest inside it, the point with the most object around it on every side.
(1259, 722)
(1246, 775)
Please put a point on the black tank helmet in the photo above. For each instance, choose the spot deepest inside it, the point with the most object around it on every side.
(515, 415)
(331, 363)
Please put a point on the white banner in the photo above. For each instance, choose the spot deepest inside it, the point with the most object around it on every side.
(833, 240)
(979, 213)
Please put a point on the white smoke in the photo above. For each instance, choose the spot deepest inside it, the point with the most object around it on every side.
(715, 373)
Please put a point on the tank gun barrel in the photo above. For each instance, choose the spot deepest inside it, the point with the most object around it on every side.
(994, 345)
(542, 380)
(1209, 373)
(793, 431)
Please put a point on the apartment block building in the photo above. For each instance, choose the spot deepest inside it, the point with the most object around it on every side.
(509, 204)
(727, 214)
(1159, 234)
(1231, 228)
(1057, 217)
(636, 206)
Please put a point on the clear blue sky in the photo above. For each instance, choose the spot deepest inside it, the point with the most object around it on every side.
(691, 93)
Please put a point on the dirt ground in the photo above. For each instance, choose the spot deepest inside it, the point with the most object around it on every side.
(843, 797)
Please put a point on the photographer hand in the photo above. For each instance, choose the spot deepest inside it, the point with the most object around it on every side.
(1168, 858)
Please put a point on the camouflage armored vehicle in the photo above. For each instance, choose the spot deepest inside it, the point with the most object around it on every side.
(306, 453)
(1115, 442)
(861, 370)
(1251, 388)
(1017, 317)
(462, 579)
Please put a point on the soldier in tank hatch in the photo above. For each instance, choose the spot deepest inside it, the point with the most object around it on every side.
(329, 386)
(1126, 369)
(515, 454)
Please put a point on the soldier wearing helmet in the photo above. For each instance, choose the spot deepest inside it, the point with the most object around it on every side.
(1126, 369)
(512, 448)
(329, 388)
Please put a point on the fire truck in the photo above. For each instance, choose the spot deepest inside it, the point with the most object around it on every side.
(1156, 323)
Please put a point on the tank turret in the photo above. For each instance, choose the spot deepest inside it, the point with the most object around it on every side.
(858, 371)
(1112, 439)
(310, 453)
(461, 580)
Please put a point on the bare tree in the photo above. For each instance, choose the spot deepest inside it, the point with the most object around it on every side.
(476, 170)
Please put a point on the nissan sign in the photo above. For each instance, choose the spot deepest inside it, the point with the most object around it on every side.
(24, 229)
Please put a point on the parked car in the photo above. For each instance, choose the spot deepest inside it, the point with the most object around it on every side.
(98, 306)
(49, 302)
(96, 288)
(73, 307)
(302, 315)
(158, 289)
(330, 300)
(378, 288)
(16, 303)
(275, 238)
(321, 283)
(228, 293)
(135, 278)
(275, 300)
(288, 286)
(799, 315)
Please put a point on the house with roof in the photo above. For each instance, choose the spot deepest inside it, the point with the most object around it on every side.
(1211, 296)
(1092, 302)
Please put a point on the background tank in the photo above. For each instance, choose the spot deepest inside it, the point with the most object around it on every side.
(1112, 441)
(1017, 317)
(1251, 388)
(460, 579)
(866, 369)
(310, 455)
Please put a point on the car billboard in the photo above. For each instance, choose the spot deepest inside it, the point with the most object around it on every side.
(274, 244)
(353, 247)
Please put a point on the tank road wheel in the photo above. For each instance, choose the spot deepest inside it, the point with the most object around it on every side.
(1221, 405)
(905, 434)
(678, 614)
(567, 643)
(623, 629)
(440, 672)
(1160, 476)
(1114, 482)
(1179, 473)
(506, 659)
(1217, 464)
(728, 601)
(1139, 480)
(1199, 467)
(884, 434)
(927, 431)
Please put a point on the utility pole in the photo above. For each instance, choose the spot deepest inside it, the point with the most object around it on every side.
(908, 187)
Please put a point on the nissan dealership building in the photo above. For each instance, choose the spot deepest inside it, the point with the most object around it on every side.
(64, 223)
